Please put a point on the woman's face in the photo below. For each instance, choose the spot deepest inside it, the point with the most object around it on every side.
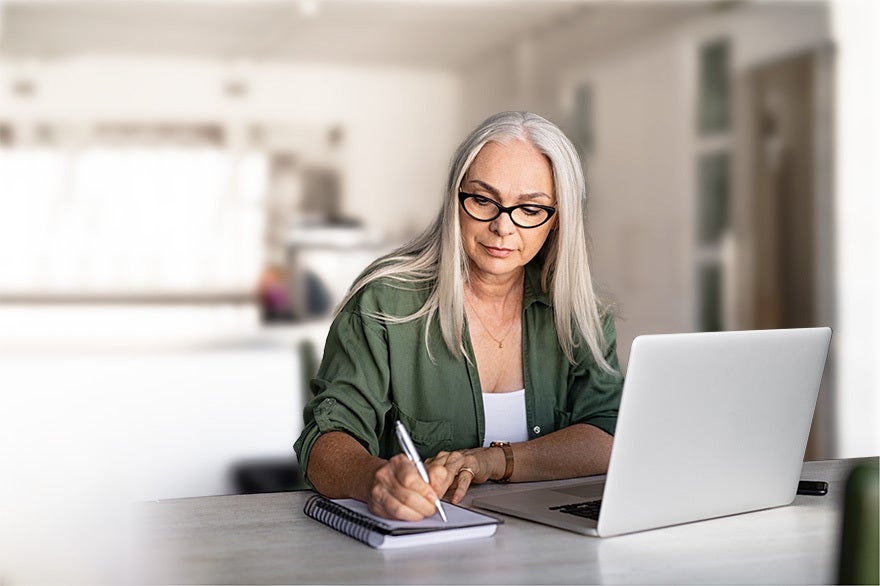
(509, 174)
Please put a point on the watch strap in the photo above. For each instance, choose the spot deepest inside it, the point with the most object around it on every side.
(508, 459)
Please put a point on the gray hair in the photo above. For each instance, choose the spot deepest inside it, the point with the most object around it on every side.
(437, 257)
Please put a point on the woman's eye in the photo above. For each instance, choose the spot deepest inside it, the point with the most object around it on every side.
(530, 211)
(482, 201)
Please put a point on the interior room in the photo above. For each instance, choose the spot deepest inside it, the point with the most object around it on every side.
(189, 187)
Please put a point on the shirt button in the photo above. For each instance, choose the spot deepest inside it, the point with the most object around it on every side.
(537, 429)
(330, 402)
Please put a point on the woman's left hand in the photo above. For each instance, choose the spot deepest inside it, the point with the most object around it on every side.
(467, 467)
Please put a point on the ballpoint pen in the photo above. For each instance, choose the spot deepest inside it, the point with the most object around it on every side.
(409, 448)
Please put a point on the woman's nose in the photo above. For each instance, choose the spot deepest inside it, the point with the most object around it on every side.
(502, 225)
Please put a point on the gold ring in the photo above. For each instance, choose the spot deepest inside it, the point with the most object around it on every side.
(466, 469)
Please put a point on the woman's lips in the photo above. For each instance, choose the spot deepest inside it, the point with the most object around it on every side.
(498, 252)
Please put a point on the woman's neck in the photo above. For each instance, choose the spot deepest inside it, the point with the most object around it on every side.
(496, 291)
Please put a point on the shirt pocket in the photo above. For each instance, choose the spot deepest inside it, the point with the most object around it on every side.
(429, 436)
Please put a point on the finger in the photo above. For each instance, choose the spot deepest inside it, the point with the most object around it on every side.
(405, 505)
(407, 475)
(383, 501)
(464, 480)
(450, 492)
(441, 478)
(391, 508)
(452, 461)
(412, 490)
(439, 458)
(399, 492)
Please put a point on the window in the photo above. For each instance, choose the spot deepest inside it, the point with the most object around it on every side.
(129, 210)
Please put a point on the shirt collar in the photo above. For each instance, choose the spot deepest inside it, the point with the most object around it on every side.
(532, 291)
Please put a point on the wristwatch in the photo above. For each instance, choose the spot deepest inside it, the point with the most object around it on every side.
(508, 459)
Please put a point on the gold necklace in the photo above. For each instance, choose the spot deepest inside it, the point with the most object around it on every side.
(497, 341)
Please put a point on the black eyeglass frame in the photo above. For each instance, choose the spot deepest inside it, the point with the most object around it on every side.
(462, 197)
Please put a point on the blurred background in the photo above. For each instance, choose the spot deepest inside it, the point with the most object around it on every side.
(188, 187)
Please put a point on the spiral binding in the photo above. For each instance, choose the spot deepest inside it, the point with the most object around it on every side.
(344, 520)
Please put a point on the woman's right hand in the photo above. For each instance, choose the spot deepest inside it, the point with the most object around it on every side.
(340, 467)
(398, 491)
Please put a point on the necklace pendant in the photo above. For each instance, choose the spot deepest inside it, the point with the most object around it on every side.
(500, 344)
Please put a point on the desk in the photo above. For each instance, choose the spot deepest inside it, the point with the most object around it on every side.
(267, 539)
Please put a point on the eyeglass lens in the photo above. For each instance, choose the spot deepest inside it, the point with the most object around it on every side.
(485, 209)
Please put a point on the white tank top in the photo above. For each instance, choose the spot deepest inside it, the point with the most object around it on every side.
(505, 417)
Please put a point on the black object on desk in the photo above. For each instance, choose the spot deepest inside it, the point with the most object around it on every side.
(812, 487)
(267, 475)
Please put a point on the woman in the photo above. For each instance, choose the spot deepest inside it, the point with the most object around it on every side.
(483, 336)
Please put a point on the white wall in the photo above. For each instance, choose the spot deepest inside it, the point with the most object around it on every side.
(640, 184)
(857, 174)
(399, 125)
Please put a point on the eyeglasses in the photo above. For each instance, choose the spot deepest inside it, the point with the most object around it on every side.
(483, 209)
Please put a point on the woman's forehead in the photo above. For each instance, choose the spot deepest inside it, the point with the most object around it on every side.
(515, 166)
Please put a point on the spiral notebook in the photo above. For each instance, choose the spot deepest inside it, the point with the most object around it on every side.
(355, 520)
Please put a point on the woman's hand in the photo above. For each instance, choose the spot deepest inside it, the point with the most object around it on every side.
(340, 467)
(398, 491)
(464, 468)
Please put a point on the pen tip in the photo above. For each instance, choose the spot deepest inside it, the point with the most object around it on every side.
(441, 511)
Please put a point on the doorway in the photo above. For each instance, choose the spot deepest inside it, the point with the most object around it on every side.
(784, 213)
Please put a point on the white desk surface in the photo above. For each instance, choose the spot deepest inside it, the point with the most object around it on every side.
(267, 539)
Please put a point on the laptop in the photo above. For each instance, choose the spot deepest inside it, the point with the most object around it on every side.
(710, 424)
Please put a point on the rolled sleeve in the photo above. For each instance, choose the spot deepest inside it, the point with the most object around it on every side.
(594, 395)
(351, 387)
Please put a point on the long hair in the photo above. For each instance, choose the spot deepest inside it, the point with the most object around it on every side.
(436, 258)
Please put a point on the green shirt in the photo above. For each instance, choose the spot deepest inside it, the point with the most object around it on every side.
(373, 373)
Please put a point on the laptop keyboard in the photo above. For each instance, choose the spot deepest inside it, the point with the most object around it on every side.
(588, 509)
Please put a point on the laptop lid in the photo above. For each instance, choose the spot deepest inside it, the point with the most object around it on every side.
(710, 424)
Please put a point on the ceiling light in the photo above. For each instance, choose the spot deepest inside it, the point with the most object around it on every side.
(308, 7)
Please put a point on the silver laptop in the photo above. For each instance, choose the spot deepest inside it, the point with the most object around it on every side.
(710, 424)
